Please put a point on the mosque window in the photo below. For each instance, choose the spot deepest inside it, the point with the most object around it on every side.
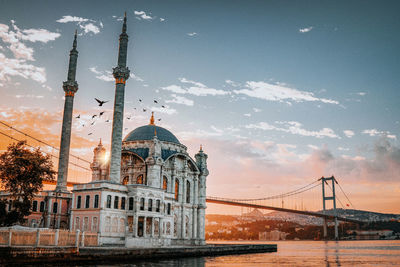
(150, 207)
(96, 201)
(55, 207)
(187, 192)
(87, 202)
(165, 183)
(131, 203)
(122, 203)
(109, 201)
(116, 202)
(169, 209)
(158, 205)
(176, 189)
(41, 209)
(34, 205)
(142, 203)
(139, 179)
(77, 223)
(78, 202)
(125, 181)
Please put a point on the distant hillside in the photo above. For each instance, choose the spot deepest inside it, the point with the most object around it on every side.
(256, 214)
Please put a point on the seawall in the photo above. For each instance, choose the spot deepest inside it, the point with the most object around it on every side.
(104, 255)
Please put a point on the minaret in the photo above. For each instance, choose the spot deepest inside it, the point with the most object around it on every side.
(121, 74)
(201, 160)
(70, 87)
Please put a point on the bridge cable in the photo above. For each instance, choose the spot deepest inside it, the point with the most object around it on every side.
(13, 138)
(345, 195)
(40, 141)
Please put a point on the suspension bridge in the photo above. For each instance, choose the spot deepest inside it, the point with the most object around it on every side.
(79, 170)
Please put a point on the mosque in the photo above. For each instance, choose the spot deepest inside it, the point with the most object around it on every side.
(150, 193)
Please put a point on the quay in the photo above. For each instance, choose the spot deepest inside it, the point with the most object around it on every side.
(106, 255)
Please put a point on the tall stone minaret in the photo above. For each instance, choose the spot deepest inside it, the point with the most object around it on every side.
(121, 74)
(201, 160)
(70, 87)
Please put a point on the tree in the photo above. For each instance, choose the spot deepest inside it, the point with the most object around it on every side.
(22, 173)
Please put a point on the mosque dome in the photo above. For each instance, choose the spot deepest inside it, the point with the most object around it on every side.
(147, 132)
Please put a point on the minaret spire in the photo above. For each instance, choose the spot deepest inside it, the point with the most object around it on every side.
(152, 118)
(70, 87)
(121, 74)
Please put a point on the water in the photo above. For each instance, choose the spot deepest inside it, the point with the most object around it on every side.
(301, 253)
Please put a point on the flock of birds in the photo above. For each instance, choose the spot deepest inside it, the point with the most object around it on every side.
(101, 103)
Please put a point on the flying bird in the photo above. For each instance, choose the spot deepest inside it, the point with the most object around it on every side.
(78, 117)
(155, 101)
(134, 108)
(92, 123)
(140, 100)
(90, 133)
(144, 110)
(128, 117)
(107, 120)
(159, 119)
(94, 116)
(101, 113)
(100, 102)
(163, 106)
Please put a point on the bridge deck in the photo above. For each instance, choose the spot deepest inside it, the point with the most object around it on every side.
(309, 213)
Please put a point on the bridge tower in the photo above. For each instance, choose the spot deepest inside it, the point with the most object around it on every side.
(327, 198)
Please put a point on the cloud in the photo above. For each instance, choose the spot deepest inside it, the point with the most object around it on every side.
(191, 34)
(232, 83)
(343, 149)
(304, 30)
(180, 100)
(375, 132)
(135, 77)
(86, 25)
(247, 115)
(142, 15)
(162, 19)
(361, 93)
(29, 96)
(16, 37)
(89, 27)
(348, 133)
(166, 110)
(279, 92)
(102, 75)
(68, 18)
(196, 88)
(18, 67)
(293, 127)
(257, 110)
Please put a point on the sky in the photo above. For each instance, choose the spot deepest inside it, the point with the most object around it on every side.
(279, 93)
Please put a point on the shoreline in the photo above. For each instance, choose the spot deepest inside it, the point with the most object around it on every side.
(94, 255)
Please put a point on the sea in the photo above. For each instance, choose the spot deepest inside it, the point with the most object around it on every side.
(298, 253)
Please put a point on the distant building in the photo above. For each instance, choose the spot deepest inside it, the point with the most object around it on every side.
(274, 235)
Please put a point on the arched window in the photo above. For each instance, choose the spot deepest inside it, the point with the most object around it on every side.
(87, 202)
(139, 179)
(122, 203)
(176, 189)
(150, 206)
(108, 202)
(41, 206)
(158, 204)
(116, 202)
(34, 205)
(96, 201)
(142, 203)
(187, 192)
(125, 181)
(55, 207)
(131, 203)
(165, 183)
(78, 202)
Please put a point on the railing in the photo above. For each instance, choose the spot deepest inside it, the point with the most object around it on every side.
(48, 237)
